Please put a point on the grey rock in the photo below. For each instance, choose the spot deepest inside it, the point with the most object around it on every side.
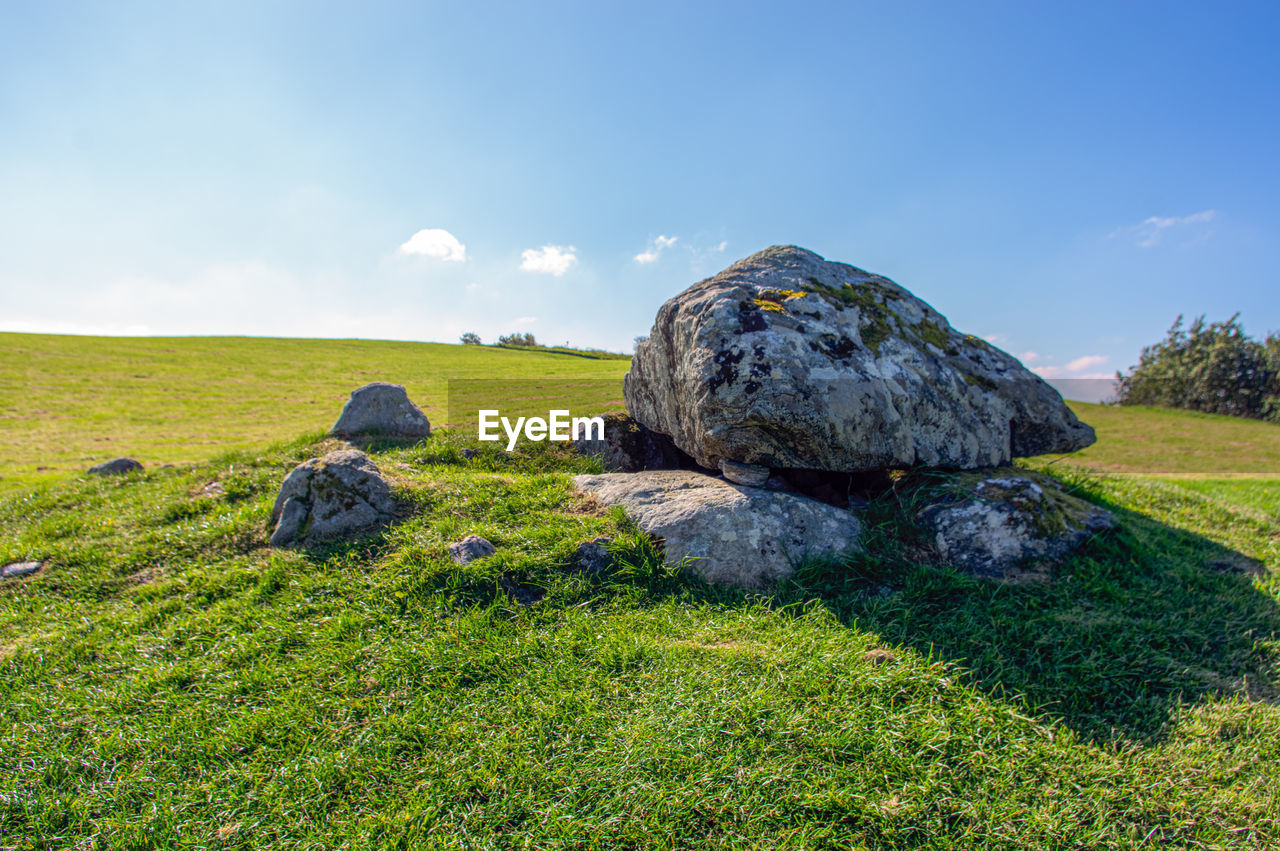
(751, 475)
(323, 498)
(20, 568)
(786, 360)
(726, 533)
(1233, 562)
(115, 467)
(629, 447)
(471, 548)
(593, 556)
(381, 409)
(1010, 521)
(469, 454)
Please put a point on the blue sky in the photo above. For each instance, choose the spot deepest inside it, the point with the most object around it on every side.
(1063, 179)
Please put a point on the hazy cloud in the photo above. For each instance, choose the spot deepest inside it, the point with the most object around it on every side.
(1075, 369)
(1149, 232)
(524, 320)
(656, 247)
(549, 259)
(437, 243)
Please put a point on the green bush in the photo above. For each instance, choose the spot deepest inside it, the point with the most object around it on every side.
(1213, 368)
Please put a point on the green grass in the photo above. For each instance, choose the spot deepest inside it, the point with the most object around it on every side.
(68, 402)
(168, 681)
(1166, 441)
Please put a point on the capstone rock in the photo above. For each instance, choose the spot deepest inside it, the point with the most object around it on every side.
(324, 498)
(1008, 521)
(787, 360)
(382, 409)
(726, 533)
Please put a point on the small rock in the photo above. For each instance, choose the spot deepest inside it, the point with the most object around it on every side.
(879, 656)
(726, 533)
(328, 497)
(1236, 563)
(593, 556)
(115, 467)
(471, 548)
(381, 409)
(20, 568)
(751, 475)
(998, 524)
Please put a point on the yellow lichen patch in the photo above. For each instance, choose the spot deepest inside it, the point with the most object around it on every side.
(771, 299)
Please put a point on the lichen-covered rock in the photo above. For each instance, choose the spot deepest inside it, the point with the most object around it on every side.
(115, 467)
(381, 409)
(997, 524)
(629, 447)
(471, 548)
(726, 533)
(785, 360)
(324, 498)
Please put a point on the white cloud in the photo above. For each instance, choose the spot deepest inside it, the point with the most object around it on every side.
(437, 243)
(722, 246)
(1075, 369)
(1081, 364)
(1150, 231)
(524, 320)
(656, 248)
(549, 259)
(995, 339)
(1029, 357)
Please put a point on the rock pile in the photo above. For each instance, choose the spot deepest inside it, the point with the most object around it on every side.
(786, 371)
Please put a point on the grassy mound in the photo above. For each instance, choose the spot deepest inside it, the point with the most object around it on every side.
(169, 681)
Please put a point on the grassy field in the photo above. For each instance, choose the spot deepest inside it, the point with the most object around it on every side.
(68, 402)
(169, 681)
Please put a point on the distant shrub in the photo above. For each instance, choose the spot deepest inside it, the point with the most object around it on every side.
(470, 339)
(525, 339)
(1214, 368)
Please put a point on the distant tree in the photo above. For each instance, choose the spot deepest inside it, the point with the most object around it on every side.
(638, 340)
(470, 339)
(517, 339)
(1214, 368)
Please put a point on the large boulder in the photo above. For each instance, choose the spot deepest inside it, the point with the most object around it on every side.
(786, 360)
(1007, 523)
(329, 497)
(729, 534)
(381, 409)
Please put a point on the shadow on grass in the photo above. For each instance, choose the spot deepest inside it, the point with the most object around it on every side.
(1138, 621)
